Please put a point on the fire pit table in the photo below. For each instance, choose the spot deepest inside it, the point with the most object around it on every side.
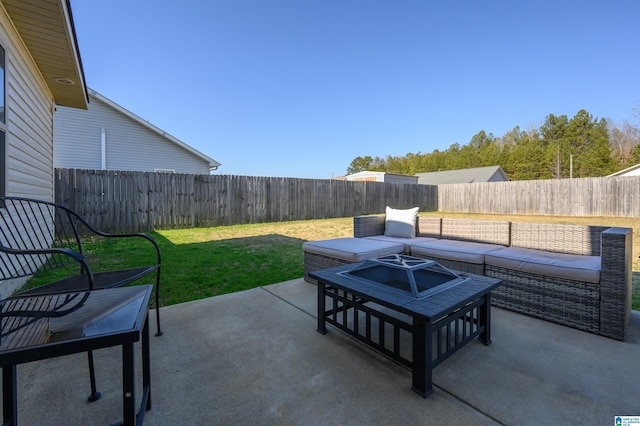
(385, 301)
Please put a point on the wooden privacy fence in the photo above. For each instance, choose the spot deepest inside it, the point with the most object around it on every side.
(122, 201)
(117, 201)
(603, 196)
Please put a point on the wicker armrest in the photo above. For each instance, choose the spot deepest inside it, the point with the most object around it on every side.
(367, 226)
(615, 281)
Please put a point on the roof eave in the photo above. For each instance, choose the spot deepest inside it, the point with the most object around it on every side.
(47, 30)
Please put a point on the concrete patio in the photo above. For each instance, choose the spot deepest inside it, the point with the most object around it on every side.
(254, 357)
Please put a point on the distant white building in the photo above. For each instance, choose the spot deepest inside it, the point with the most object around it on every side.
(380, 177)
(106, 136)
(476, 174)
(629, 171)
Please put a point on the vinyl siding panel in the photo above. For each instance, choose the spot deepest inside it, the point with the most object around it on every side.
(29, 127)
(29, 135)
(635, 172)
(77, 140)
(369, 176)
(400, 179)
(130, 145)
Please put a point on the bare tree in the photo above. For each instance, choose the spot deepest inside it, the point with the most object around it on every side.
(623, 138)
(635, 117)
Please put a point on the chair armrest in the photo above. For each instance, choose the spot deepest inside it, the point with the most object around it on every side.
(366, 226)
(615, 281)
(50, 252)
(145, 236)
(110, 235)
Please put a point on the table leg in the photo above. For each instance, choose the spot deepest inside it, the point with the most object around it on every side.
(146, 365)
(128, 385)
(485, 320)
(421, 364)
(9, 396)
(322, 328)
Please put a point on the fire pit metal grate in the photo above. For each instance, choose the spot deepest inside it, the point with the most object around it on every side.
(408, 275)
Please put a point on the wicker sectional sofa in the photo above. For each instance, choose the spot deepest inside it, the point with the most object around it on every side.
(575, 275)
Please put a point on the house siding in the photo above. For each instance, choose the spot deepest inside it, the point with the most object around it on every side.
(129, 144)
(629, 171)
(29, 127)
(86, 154)
(400, 179)
(369, 176)
(29, 137)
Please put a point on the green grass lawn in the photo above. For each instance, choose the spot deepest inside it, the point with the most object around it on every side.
(205, 262)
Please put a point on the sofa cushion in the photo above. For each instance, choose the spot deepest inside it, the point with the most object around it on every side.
(352, 249)
(462, 251)
(406, 241)
(400, 223)
(560, 265)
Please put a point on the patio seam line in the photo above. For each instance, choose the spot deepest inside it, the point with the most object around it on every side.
(470, 405)
(288, 303)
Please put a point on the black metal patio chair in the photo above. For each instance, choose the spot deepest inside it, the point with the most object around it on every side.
(46, 241)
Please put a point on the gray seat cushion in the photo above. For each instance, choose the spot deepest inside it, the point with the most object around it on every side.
(560, 265)
(352, 249)
(462, 251)
(398, 240)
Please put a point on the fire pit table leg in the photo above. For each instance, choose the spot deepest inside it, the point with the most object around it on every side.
(485, 319)
(422, 349)
(322, 328)
(128, 385)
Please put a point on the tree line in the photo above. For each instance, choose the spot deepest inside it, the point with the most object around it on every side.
(562, 147)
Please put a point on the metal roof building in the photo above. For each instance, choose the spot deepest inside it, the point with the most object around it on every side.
(476, 174)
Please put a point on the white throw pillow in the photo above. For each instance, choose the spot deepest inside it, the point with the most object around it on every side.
(401, 223)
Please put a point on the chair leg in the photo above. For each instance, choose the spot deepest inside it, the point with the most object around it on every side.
(159, 331)
(95, 395)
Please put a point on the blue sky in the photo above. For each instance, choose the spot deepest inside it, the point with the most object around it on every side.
(299, 88)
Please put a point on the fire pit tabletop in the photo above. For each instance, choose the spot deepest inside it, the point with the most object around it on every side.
(432, 304)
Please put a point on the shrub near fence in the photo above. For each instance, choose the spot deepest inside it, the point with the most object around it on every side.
(123, 201)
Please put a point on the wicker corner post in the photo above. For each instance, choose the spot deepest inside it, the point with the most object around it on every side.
(615, 282)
